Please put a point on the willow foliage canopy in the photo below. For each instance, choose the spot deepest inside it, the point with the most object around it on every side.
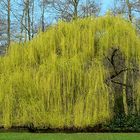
(77, 74)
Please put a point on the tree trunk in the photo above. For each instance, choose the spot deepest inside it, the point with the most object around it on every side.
(75, 4)
(43, 16)
(21, 26)
(129, 6)
(32, 19)
(29, 20)
(9, 23)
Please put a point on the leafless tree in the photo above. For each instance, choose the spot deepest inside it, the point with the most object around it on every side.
(66, 9)
(90, 8)
(8, 21)
(72, 9)
(7, 11)
(126, 7)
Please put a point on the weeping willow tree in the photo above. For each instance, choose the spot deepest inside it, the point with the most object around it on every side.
(76, 74)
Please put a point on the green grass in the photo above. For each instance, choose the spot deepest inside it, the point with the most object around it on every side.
(88, 136)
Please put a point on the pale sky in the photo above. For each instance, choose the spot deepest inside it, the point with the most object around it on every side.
(106, 4)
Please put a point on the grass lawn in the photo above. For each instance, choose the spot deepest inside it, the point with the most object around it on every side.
(83, 136)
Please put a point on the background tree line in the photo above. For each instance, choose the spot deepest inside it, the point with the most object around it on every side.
(20, 20)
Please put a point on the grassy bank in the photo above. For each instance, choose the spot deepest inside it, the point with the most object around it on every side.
(89, 136)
